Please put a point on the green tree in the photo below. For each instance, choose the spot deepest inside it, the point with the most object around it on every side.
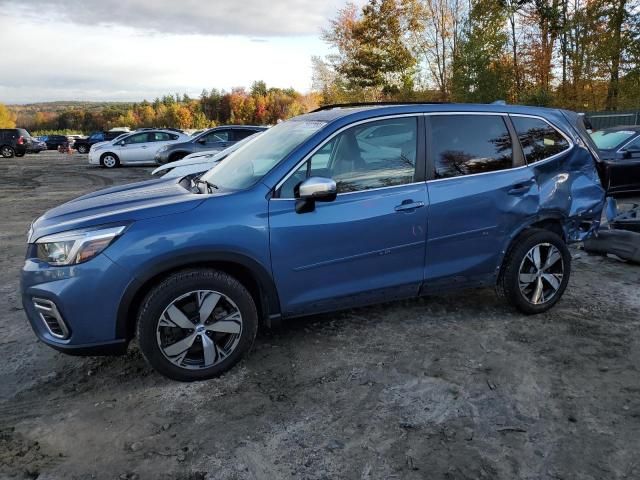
(481, 70)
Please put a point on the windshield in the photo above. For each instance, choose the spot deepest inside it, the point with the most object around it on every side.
(247, 165)
(609, 140)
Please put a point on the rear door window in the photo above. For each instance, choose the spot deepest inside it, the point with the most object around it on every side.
(218, 136)
(469, 144)
(539, 139)
(160, 137)
(242, 134)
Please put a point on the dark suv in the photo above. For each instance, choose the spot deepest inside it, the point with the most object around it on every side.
(14, 141)
(55, 141)
(214, 139)
(334, 209)
(83, 145)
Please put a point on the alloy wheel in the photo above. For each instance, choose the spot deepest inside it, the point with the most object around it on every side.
(541, 273)
(199, 329)
(7, 152)
(109, 161)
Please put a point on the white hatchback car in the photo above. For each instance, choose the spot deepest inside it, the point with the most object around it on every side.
(137, 148)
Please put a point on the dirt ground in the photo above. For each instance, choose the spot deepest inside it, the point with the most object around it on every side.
(450, 387)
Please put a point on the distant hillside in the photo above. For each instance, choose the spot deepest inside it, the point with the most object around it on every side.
(61, 106)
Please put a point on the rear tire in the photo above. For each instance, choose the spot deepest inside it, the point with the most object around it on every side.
(109, 160)
(19, 154)
(196, 324)
(7, 152)
(535, 272)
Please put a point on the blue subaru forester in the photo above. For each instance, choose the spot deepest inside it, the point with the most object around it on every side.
(341, 207)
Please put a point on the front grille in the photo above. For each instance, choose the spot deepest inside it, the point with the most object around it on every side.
(51, 317)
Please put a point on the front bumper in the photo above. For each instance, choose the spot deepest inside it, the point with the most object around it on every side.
(162, 157)
(94, 157)
(85, 297)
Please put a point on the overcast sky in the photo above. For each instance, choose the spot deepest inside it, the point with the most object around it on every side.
(136, 49)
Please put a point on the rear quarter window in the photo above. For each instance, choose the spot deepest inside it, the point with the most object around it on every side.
(539, 139)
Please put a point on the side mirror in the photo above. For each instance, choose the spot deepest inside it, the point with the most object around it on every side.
(202, 141)
(312, 190)
(121, 143)
(626, 153)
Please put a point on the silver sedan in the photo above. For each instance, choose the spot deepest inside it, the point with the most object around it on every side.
(137, 148)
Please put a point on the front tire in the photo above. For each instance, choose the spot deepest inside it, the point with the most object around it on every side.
(196, 324)
(109, 160)
(7, 152)
(536, 271)
(83, 149)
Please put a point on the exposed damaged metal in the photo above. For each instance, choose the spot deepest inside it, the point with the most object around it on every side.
(621, 237)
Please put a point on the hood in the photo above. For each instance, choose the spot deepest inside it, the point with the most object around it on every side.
(202, 161)
(184, 170)
(607, 154)
(132, 202)
(99, 144)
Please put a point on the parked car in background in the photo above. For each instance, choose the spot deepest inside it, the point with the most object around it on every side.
(200, 162)
(214, 139)
(36, 145)
(55, 141)
(14, 142)
(620, 153)
(133, 148)
(310, 217)
(82, 145)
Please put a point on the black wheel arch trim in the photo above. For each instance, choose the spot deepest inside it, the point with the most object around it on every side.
(270, 303)
(555, 217)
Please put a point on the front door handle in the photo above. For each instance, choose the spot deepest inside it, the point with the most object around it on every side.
(408, 206)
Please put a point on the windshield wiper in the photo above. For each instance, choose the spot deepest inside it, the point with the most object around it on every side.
(210, 186)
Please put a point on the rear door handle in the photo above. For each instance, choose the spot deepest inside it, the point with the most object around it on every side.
(519, 188)
(408, 206)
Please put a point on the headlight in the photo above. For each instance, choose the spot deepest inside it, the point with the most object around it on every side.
(76, 246)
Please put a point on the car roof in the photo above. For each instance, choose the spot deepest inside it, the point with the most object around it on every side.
(239, 127)
(622, 128)
(335, 113)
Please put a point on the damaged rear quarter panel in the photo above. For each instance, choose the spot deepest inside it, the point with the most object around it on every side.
(570, 191)
(567, 189)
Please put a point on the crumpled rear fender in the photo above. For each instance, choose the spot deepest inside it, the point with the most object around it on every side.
(571, 191)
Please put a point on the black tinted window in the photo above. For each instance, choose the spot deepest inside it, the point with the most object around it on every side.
(218, 136)
(372, 155)
(539, 140)
(633, 146)
(241, 134)
(468, 144)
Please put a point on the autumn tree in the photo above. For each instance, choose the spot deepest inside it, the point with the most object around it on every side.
(7, 117)
(372, 54)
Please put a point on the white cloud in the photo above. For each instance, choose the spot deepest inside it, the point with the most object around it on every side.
(227, 17)
(57, 60)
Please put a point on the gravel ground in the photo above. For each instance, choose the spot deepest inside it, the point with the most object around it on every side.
(449, 387)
